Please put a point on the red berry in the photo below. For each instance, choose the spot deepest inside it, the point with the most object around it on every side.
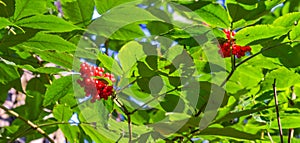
(93, 86)
(229, 47)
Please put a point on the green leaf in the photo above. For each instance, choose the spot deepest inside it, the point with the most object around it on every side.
(49, 70)
(129, 54)
(62, 112)
(26, 8)
(4, 22)
(58, 58)
(128, 32)
(47, 22)
(214, 15)
(94, 134)
(258, 32)
(109, 63)
(95, 113)
(287, 20)
(69, 100)
(284, 79)
(233, 115)
(79, 12)
(46, 70)
(59, 88)
(35, 90)
(157, 27)
(245, 13)
(7, 8)
(103, 6)
(16, 39)
(247, 76)
(229, 132)
(7, 73)
(168, 127)
(145, 70)
(170, 102)
(119, 17)
(287, 122)
(286, 54)
(70, 132)
(44, 41)
(294, 34)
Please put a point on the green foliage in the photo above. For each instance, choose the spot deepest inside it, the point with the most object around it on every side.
(79, 12)
(214, 15)
(171, 84)
(26, 8)
(47, 22)
(58, 89)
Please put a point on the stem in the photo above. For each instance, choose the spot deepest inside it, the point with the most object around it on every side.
(233, 67)
(291, 130)
(127, 113)
(129, 127)
(227, 78)
(189, 139)
(124, 109)
(277, 111)
(291, 134)
(121, 136)
(270, 137)
(57, 123)
(32, 125)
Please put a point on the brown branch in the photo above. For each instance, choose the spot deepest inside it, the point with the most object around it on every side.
(291, 130)
(28, 122)
(291, 134)
(129, 127)
(277, 111)
(127, 113)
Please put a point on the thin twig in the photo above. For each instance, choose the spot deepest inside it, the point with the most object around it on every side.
(32, 125)
(63, 122)
(124, 109)
(129, 127)
(121, 136)
(127, 113)
(233, 67)
(291, 134)
(291, 130)
(277, 111)
(270, 137)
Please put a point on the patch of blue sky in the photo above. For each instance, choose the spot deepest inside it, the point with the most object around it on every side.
(95, 14)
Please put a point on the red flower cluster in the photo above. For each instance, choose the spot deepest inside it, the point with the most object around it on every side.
(237, 50)
(93, 82)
